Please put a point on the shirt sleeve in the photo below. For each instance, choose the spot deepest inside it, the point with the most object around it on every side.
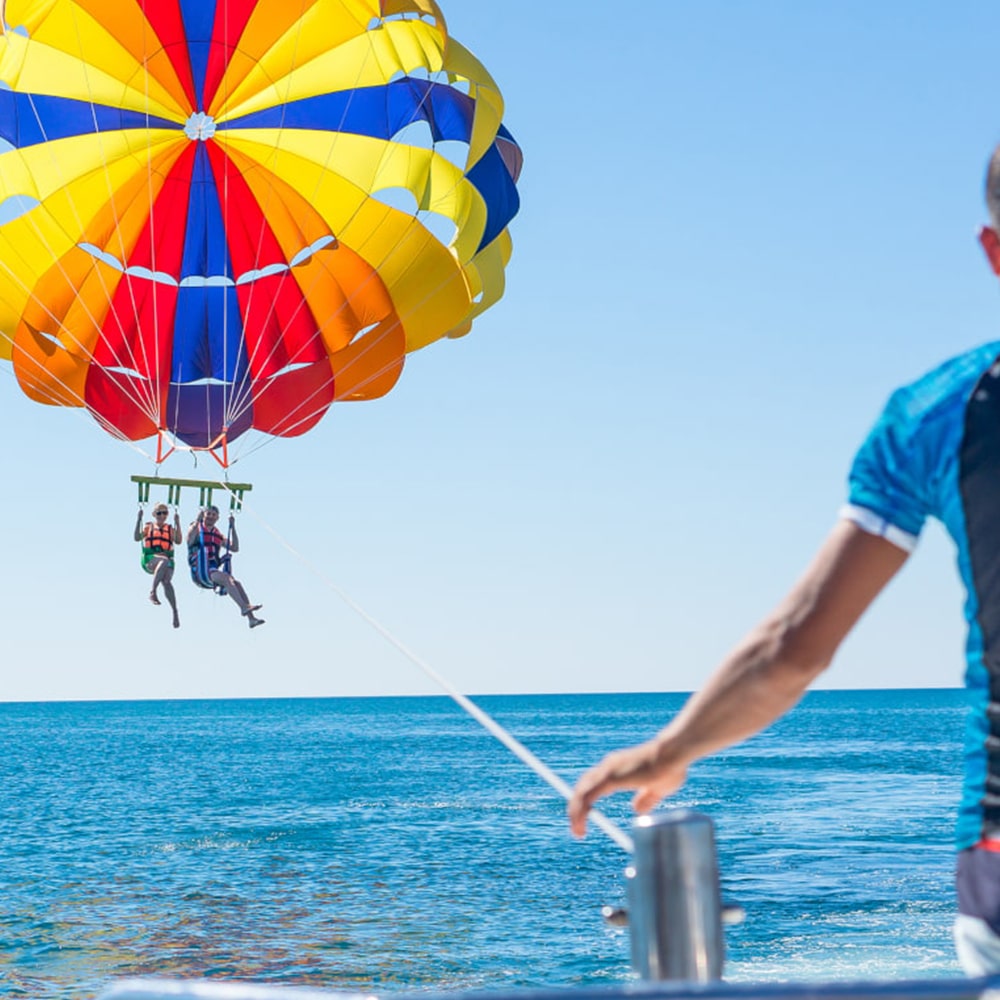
(909, 466)
(889, 484)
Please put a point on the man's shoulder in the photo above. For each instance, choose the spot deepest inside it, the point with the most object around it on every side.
(944, 389)
(903, 469)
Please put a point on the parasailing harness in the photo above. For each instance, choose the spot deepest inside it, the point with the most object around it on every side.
(204, 554)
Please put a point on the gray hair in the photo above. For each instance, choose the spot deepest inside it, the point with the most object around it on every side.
(993, 188)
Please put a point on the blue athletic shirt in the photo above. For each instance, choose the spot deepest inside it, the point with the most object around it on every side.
(935, 452)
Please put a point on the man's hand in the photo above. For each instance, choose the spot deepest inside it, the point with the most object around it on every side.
(641, 767)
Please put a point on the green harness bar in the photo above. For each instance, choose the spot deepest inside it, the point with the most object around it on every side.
(205, 488)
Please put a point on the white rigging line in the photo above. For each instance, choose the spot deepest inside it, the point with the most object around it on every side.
(93, 420)
(243, 391)
(393, 150)
(147, 406)
(238, 397)
(483, 718)
(301, 417)
(622, 839)
(156, 389)
(224, 209)
(148, 388)
(237, 391)
(135, 390)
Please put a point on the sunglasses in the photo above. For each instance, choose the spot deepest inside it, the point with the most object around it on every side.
(161, 513)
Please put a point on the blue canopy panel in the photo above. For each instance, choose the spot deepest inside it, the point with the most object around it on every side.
(198, 414)
(493, 181)
(199, 24)
(29, 119)
(381, 112)
(210, 372)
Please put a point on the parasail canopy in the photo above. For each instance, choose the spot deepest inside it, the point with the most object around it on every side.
(218, 215)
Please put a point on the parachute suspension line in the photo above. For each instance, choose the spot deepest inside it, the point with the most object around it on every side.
(136, 387)
(149, 390)
(36, 383)
(607, 826)
(57, 164)
(239, 397)
(336, 133)
(375, 269)
(144, 397)
(459, 177)
(155, 389)
(240, 393)
(237, 389)
(307, 416)
(304, 417)
(227, 389)
(236, 395)
(93, 420)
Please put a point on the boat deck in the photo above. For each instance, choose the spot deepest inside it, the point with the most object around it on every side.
(932, 989)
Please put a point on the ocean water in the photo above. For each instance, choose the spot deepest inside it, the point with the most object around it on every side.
(392, 844)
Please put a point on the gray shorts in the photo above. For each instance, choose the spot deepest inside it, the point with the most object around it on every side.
(977, 926)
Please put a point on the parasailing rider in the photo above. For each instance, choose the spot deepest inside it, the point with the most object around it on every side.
(210, 568)
(158, 539)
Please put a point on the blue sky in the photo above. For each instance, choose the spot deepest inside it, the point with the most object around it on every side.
(742, 225)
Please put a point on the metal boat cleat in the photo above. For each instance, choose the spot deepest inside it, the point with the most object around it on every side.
(617, 916)
(675, 911)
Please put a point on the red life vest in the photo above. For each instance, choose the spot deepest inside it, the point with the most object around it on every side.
(211, 541)
(204, 556)
(159, 538)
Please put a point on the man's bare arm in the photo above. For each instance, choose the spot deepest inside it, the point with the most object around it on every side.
(761, 679)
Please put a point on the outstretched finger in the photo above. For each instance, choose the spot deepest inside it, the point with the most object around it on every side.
(578, 810)
(593, 785)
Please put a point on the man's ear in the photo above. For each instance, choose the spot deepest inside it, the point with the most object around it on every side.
(989, 239)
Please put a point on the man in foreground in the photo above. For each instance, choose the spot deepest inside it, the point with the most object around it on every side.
(934, 452)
